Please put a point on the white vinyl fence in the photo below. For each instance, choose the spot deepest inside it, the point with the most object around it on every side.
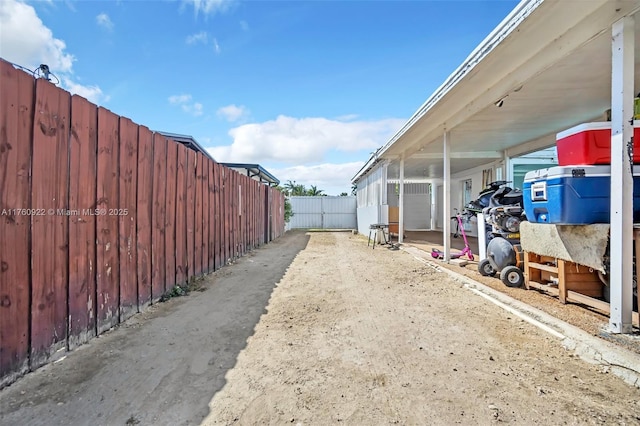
(323, 213)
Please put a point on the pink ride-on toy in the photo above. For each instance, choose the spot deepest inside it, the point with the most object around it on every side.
(439, 254)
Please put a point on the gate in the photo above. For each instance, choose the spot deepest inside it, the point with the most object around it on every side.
(323, 212)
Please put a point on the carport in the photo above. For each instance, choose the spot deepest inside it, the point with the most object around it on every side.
(550, 65)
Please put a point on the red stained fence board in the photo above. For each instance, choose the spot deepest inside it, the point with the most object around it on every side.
(126, 214)
(198, 217)
(159, 219)
(170, 216)
(190, 212)
(16, 115)
(181, 215)
(226, 208)
(210, 215)
(216, 217)
(205, 215)
(107, 266)
(82, 225)
(144, 218)
(49, 224)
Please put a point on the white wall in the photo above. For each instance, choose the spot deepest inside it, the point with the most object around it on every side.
(417, 204)
(371, 196)
(367, 216)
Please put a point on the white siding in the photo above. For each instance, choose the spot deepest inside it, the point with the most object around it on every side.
(372, 190)
(417, 205)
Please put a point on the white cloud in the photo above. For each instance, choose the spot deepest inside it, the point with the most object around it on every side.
(179, 99)
(233, 113)
(193, 108)
(348, 117)
(92, 93)
(104, 21)
(302, 140)
(201, 37)
(26, 41)
(333, 179)
(209, 7)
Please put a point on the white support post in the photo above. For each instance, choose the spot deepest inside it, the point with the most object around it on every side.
(446, 199)
(433, 187)
(482, 237)
(621, 244)
(508, 168)
(401, 203)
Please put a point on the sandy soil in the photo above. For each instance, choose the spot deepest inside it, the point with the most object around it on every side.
(317, 328)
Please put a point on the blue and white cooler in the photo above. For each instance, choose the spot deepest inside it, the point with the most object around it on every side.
(573, 195)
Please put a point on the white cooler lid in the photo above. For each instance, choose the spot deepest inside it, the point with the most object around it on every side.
(600, 125)
(572, 171)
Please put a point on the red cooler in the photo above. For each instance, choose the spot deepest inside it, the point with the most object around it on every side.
(590, 144)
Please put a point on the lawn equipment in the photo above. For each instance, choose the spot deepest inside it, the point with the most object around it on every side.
(439, 254)
(504, 254)
(479, 204)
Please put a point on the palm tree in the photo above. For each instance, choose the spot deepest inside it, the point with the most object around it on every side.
(289, 187)
(299, 190)
(314, 191)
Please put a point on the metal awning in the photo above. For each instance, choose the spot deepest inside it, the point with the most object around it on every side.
(549, 62)
(188, 141)
(254, 171)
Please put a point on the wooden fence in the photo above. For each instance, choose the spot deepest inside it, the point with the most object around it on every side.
(99, 217)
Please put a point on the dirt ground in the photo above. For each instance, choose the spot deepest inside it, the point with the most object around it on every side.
(317, 328)
(581, 316)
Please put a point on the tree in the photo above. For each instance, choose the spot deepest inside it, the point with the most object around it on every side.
(314, 191)
(354, 189)
(343, 194)
(289, 187)
(299, 190)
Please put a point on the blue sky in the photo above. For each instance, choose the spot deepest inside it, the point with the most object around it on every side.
(308, 89)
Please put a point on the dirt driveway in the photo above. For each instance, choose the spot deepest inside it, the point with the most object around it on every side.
(316, 328)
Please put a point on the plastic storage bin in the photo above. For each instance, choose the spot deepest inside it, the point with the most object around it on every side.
(573, 195)
(590, 144)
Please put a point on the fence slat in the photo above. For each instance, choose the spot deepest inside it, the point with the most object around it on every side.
(126, 214)
(216, 216)
(233, 203)
(144, 215)
(16, 115)
(181, 216)
(226, 188)
(82, 225)
(198, 217)
(212, 235)
(205, 215)
(49, 254)
(159, 219)
(107, 265)
(191, 202)
(170, 230)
